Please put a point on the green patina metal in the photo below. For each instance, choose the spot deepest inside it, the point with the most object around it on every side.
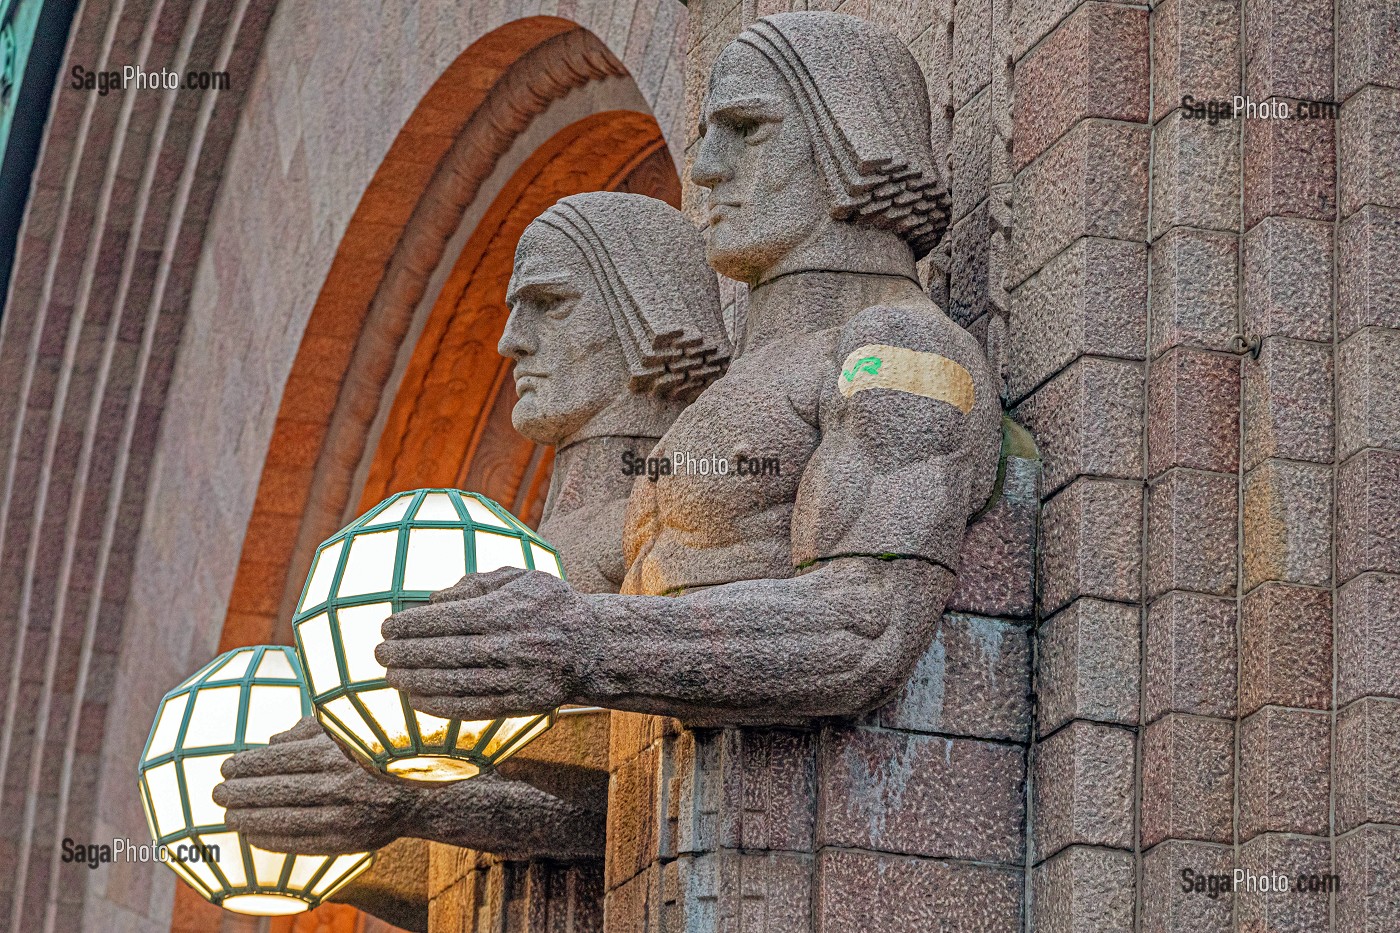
(484, 752)
(216, 879)
(33, 34)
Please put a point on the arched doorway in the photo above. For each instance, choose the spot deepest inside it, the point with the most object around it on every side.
(397, 382)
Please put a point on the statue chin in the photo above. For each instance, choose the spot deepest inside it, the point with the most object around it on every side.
(540, 426)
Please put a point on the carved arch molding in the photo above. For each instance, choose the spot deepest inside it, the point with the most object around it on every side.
(397, 382)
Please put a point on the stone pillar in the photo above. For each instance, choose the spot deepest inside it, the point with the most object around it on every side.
(1077, 278)
(1366, 824)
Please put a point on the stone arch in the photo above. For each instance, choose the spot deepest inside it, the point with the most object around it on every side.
(173, 248)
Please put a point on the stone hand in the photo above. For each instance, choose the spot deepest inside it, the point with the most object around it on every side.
(509, 642)
(301, 793)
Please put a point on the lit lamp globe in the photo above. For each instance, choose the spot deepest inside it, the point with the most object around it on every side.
(237, 701)
(395, 556)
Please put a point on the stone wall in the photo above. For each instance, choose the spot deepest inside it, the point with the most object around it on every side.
(1202, 339)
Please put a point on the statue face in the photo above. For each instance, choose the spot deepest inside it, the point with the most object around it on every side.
(568, 359)
(767, 197)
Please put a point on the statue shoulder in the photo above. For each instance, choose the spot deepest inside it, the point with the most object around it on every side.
(917, 328)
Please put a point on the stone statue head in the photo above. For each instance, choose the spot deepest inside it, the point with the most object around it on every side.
(814, 120)
(615, 320)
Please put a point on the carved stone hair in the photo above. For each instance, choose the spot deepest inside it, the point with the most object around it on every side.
(649, 265)
(864, 100)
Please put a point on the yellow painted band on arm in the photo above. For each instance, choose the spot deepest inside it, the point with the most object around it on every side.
(881, 366)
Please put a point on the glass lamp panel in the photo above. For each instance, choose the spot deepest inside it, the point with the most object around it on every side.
(214, 720)
(386, 708)
(359, 636)
(201, 777)
(510, 728)
(393, 511)
(342, 870)
(545, 560)
(345, 711)
(469, 734)
(265, 905)
(272, 708)
(163, 785)
(303, 870)
(432, 729)
(233, 668)
(370, 566)
(180, 869)
(172, 714)
(319, 652)
(322, 574)
(494, 551)
(230, 856)
(481, 515)
(276, 665)
(437, 507)
(267, 866)
(350, 741)
(201, 871)
(197, 674)
(437, 558)
(142, 791)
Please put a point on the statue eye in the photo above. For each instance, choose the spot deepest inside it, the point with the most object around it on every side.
(559, 309)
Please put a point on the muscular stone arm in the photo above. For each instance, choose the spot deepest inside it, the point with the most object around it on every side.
(879, 519)
(303, 794)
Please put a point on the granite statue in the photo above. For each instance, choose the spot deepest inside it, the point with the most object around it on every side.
(609, 346)
(808, 590)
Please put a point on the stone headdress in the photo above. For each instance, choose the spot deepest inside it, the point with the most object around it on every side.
(649, 264)
(865, 103)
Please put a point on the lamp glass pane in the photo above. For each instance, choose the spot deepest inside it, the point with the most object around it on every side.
(189, 879)
(214, 720)
(370, 566)
(523, 739)
(481, 515)
(469, 734)
(303, 870)
(230, 856)
(510, 728)
(319, 653)
(544, 560)
(275, 664)
(345, 711)
(164, 787)
(233, 668)
(437, 559)
(265, 905)
(339, 871)
(197, 674)
(437, 507)
(172, 715)
(393, 511)
(201, 777)
(386, 708)
(432, 729)
(349, 740)
(494, 551)
(359, 636)
(272, 708)
(322, 575)
(203, 872)
(267, 866)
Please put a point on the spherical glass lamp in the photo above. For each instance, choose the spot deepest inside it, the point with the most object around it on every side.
(395, 556)
(237, 701)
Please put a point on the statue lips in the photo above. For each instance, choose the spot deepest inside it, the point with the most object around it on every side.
(525, 382)
(716, 215)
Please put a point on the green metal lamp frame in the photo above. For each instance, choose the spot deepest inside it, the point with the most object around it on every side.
(203, 679)
(400, 599)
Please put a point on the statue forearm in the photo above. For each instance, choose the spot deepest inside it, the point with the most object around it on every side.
(831, 642)
(508, 818)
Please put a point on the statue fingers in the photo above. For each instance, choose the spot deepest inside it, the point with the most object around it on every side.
(448, 652)
(476, 708)
(478, 584)
(304, 756)
(436, 620)
(457, 681)
(301, 790)
(306, 728)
